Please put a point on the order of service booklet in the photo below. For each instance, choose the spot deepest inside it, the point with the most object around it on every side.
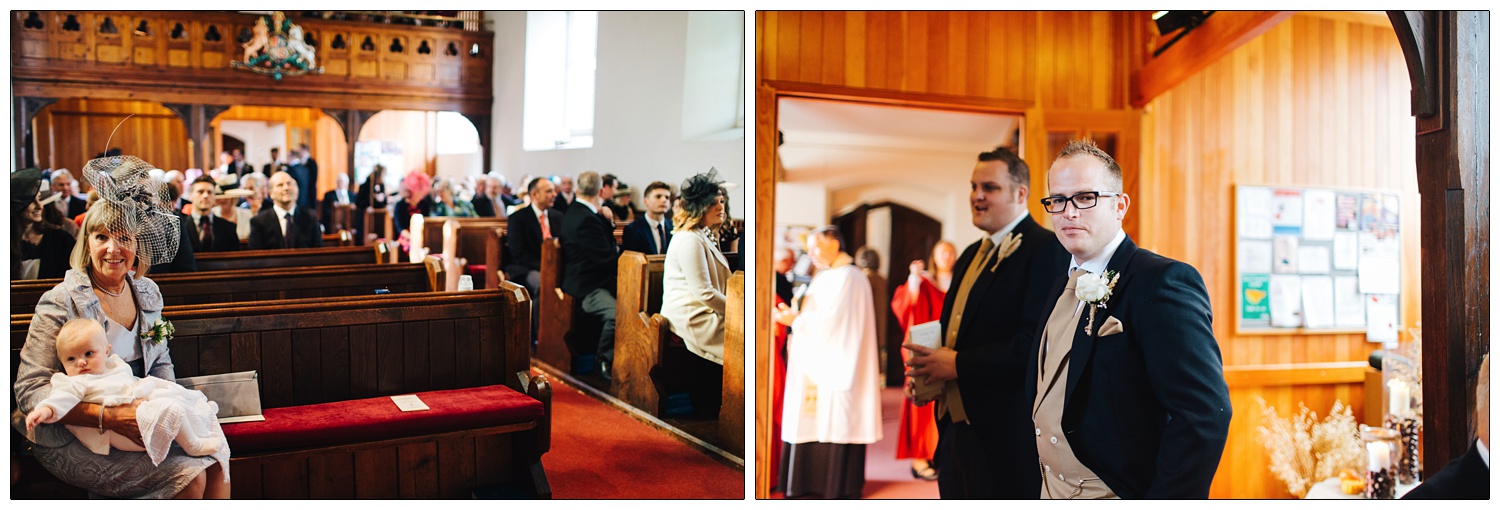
(929, 335)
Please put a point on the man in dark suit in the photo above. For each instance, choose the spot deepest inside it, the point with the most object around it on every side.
(184, 261)
(237, 164)
(525, 231)
(651, 233)
(276, 164)
(210, 232)
(284, 224)
(564, 199)
(338, 195)
(62, 182)
(989, 317)
(1129, 398)
(589, 263)
(484, 206)
(1468, 476)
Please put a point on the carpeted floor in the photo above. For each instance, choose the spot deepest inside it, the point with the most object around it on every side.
(599, 452)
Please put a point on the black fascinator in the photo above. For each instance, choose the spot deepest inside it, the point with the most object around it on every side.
(699, 191)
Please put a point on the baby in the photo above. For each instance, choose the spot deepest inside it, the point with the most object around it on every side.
(94, 375)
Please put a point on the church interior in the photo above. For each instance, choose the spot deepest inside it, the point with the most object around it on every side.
(420, 344)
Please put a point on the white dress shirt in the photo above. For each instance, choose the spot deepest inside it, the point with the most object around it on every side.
(281, 216)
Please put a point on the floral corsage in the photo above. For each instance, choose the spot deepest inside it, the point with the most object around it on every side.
(1008, 245)
(160, 333)
(1096, 289)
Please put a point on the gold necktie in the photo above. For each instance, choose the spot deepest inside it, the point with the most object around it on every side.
(951, 402)
(1058, 342)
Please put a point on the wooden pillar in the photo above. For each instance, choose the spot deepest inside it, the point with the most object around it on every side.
(765, 230)
(482, 124)
(195, 120)
(352, 121)
(23, 140)
(1447, 56)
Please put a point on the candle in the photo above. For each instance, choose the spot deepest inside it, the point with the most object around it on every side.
(1380, 455)
(1400, 404)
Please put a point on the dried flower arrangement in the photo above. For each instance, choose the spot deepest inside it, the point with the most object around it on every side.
(1305, 450)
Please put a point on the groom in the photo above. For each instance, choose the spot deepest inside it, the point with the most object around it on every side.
(1127, 383)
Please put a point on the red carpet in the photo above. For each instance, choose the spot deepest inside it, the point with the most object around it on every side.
(599, 452)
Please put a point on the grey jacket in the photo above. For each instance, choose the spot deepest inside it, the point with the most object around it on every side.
(74, 298)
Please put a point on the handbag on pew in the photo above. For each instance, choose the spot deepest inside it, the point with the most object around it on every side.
(238, 394)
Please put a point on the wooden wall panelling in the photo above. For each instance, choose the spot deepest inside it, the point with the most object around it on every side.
(1314, 101)
(70, 132)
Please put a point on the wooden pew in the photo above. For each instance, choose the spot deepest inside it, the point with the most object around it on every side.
(494, 257)
(336, 238)
(320, 352)
(640, 330)
(433, 228)
(732, 407)
(377, 225)
(341, 217)
(556, 310)
(262, 285)
(265, 259)
(464, 243)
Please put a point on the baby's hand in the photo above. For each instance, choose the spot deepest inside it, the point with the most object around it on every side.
(36, 416)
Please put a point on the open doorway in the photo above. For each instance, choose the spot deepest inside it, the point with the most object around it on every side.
(894, 179)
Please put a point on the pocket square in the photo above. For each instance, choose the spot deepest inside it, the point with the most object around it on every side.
(1111, 326)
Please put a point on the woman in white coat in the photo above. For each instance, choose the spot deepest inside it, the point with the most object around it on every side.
(694, 282)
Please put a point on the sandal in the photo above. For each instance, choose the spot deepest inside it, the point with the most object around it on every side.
(928, 473)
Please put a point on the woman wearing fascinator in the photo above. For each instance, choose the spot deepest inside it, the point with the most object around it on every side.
(129, 229)
(694, 283)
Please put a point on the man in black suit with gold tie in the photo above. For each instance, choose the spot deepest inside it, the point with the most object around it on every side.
(989, 318)
(1127, 383)
(285, 224)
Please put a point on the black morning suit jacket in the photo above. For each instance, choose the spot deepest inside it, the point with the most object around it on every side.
(1466, 477)
(999, 325)
(325, 209)
(589, 254)
(184, 261)
(225, 238)
(265, 230)
(77, 206)
(524, 238)
(638, 236)
(1146, 409)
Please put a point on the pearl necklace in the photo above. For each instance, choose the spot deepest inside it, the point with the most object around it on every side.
(106, 291)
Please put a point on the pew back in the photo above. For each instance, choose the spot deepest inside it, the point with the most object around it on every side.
(377, 225)
(732, 408)
(471, 228)
(262, 285)
(556, 314)
(639, 329)
(266, 259)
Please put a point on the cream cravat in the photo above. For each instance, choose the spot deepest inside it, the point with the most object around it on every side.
(1058, 342)
(952, 403)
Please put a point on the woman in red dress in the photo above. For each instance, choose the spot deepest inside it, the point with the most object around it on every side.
(921, 300)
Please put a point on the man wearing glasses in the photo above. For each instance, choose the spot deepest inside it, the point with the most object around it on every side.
(989, 319)
(1129, 398)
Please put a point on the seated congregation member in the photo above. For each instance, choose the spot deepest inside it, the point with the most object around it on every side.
(260, 197)
(619, 205)
(39, 248)
(729, 236)
(284, 224)
(590, 263)
(1468, 476)
(651, 233)
(448, 204)
(174, 180)
(184, 261)
(336, 196)
(71, 204)
(564, 198)
(694, 286)
(123, 235)
(831, 404)
(211, 233)
(169, 412)
(1132, 404)
(525, 231)
(501, 191)
(484, 205)
(610, 183)
(276, 164)
(416, 189)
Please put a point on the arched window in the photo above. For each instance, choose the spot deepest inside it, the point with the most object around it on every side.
(560, 60)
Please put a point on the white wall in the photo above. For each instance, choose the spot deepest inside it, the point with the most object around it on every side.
(638, 132)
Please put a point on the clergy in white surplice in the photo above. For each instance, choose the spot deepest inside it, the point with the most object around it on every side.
(831, 408)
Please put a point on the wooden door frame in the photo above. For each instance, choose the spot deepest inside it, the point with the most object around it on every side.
(768, 93)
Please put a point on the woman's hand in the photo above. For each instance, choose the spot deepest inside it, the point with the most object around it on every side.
(783, 314)
(121, 420)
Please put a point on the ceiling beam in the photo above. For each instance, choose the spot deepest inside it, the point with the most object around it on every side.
(1215, 38)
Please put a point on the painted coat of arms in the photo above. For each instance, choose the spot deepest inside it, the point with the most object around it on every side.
(277, 49)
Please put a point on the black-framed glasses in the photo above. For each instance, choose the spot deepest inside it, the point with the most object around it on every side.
(1081, 200)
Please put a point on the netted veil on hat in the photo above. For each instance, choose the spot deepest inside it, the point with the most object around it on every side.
(140, 205)
(698, 192)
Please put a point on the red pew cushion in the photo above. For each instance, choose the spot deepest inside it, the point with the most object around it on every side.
(376, 419)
